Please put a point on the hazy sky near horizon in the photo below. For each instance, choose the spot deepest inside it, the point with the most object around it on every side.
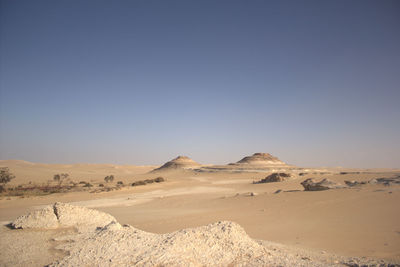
(315, 83)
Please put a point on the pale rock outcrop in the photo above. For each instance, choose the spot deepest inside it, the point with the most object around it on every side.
(43, 218)
(274, 177)
(218, 244)
(311, 185)
(63, 215)
(69, 215)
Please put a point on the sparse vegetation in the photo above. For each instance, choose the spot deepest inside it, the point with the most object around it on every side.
(159, 180)
(5, 176)
(87, 185)
(109, 178)
(31, 189)
(60, 177)
(138, 183)
(148, 181)
(35, 190)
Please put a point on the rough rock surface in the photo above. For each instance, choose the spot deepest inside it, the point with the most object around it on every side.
(311, 185)
(385, 181)
(274, 177)
(218, 244)
(63, 215)
(388, 181)
(43, 218)
(181, 162)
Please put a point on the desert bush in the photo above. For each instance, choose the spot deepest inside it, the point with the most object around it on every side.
(60, 177)
(101, 185)
(148, 181)
(5, 175)
(88, 185)
(120, 183)
(159, 179)
(138, 183)
(109, 178)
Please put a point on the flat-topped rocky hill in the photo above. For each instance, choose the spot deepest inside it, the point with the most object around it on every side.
(258, 162)
(260, 159)
(180, 162)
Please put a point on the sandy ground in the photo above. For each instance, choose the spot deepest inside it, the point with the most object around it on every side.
(358, 222)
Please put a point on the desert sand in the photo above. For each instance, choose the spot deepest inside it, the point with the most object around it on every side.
(271, 224)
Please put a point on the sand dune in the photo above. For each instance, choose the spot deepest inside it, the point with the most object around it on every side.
(26, 172)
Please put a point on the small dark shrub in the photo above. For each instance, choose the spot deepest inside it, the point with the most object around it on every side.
(148, 181)
(109, 178)
(120, 183)
(159, 180)
(138, 183)
(82, 182)
(88, 185)
(5, 175)
(60, 177)
(101, 185)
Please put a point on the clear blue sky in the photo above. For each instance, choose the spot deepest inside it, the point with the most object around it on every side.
(315, 83)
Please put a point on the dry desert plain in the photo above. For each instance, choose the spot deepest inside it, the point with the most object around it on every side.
(276, 223)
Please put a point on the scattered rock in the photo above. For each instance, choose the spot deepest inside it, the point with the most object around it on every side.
(384, 181)
(388, 181)
(274, 177)
(352, 183)
(326, 184)
(251, 194)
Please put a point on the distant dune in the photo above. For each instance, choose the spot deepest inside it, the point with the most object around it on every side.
(26, 172)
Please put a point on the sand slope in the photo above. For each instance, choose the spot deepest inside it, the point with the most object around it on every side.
(26, 172)
(357, 221)
(104, 242)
